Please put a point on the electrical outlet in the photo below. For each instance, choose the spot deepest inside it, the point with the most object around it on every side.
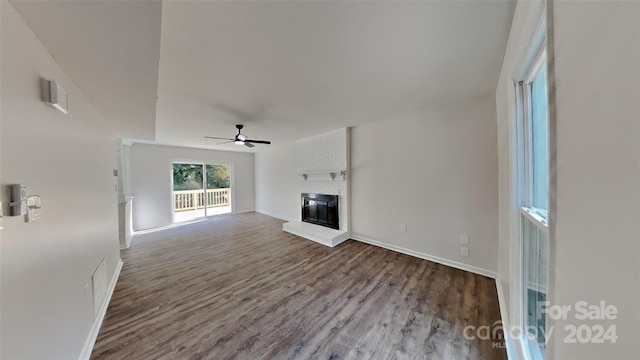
(464, 239)
(464, 251)
(403, 228)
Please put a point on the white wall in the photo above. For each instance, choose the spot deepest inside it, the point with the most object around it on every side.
(278, 185)
(434, 171)
(68, 160)
(597, 74)
(441, 183)
(595, 231)
(151, 180)
(277, 182)
(525, 21)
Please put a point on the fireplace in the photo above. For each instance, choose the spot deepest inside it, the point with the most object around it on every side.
(321, 210)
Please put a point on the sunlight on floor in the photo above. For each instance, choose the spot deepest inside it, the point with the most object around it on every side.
(193, 221)
(181, 216)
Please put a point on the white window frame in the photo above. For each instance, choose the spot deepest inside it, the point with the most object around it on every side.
(534, 57)
(525, 162)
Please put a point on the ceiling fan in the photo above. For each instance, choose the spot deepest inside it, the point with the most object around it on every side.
(240, 139)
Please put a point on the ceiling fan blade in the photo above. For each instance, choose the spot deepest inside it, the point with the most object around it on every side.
(225, 142)
(248, 144)
(218, 138)
(258, 141)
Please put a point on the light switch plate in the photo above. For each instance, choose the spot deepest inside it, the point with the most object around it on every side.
(464, 239)
(34, 205)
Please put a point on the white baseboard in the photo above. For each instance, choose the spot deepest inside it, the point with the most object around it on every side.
(242, 211)
(512, 352)
(341, 239)
(421, 255)
(95, 329)
(127, 242)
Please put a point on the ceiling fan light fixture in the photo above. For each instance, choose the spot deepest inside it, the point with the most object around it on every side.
(240, 139)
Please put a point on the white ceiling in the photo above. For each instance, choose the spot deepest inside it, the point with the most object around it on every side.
(111, 50)
(285, 69)
(289, 70)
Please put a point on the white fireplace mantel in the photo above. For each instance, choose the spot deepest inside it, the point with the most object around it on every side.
(324, 175)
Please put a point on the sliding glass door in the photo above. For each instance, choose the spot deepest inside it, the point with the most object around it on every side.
(188, 192)
(218, 189)
(200, 190)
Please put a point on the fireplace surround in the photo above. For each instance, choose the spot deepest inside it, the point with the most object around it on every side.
(320, 209)
(323, 170)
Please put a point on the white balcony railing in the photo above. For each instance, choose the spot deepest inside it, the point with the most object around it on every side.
(194, 199)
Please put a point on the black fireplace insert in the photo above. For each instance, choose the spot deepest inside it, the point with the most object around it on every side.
(321, 210)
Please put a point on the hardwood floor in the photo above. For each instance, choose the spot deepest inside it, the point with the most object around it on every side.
(238, 287)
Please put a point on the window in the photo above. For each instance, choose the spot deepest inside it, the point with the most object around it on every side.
(533, 201)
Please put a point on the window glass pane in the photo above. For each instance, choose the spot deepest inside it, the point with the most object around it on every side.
(187, 177)
(218, 176)
(534, 272)
(540, 140)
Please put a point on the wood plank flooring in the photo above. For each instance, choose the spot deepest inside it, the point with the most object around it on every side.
(238, 287)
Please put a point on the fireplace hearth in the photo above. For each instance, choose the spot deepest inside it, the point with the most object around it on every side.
(320, 209)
